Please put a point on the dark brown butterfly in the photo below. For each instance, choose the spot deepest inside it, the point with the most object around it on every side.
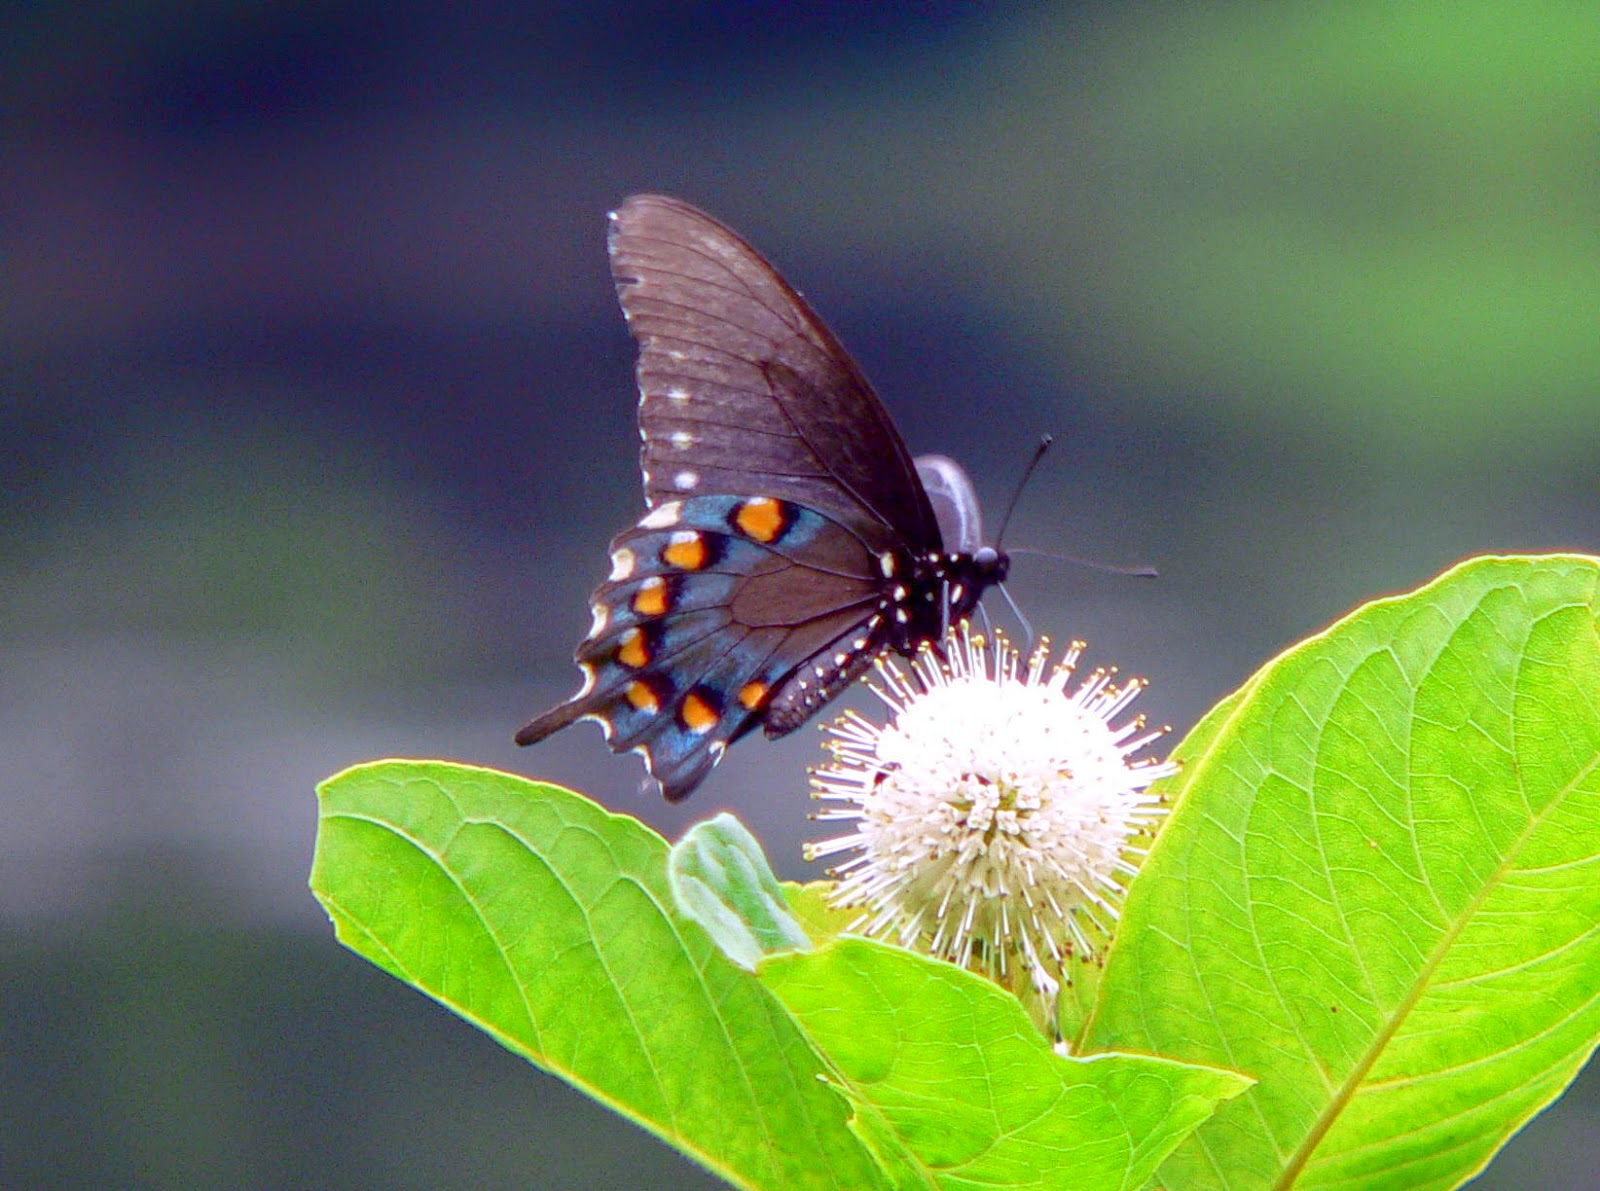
(789, 537)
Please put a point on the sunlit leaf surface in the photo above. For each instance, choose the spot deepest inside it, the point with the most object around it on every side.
(954, 1087)
(545, 920)
(1379, 893)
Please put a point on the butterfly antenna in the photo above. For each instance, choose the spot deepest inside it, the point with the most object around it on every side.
(1027, 474)
(1138, 572)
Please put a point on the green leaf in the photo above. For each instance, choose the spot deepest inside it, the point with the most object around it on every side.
(1380, 888)
(721, 879)
(546, 921)
(818, 917)
(954, 1087)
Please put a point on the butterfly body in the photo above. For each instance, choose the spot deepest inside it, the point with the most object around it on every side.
(789, 538)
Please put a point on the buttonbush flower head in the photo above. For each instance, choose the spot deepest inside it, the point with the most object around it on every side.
(994, 819)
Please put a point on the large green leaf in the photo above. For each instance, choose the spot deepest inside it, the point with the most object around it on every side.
(543, 919)
(954, 1087)
(1380, 889)
(952, 1084)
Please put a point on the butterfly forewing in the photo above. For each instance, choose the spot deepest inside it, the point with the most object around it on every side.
(742, 389)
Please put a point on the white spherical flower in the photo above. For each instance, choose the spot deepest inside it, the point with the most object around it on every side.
(997, 814)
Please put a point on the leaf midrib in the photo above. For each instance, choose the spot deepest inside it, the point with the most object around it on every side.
(1347, 1090)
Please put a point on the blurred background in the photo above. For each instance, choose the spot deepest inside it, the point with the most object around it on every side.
(316, 413)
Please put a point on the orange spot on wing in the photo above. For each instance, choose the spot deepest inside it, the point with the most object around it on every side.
(761, 518)
(686, 550)
(751, 694)
(642, 697)
(697, 713)
(651, 598)
(634, 651)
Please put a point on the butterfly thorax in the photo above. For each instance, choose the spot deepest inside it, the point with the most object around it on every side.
(937, 591)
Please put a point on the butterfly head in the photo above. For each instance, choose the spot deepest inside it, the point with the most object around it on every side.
(991, 565)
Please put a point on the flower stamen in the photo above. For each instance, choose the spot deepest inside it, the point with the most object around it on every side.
(996, 818)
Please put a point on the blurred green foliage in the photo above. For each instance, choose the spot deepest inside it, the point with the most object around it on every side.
(1377, 222)
(239, 529)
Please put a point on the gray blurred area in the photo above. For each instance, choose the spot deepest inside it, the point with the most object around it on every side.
(316, 414)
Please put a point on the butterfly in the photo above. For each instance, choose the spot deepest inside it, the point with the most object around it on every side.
(789, 538)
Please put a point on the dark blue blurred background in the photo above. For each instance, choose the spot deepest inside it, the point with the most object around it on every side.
(316, 413)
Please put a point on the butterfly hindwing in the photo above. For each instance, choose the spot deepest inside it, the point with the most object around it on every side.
(712, 605)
